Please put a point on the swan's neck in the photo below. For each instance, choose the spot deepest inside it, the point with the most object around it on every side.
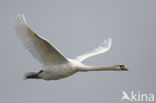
(97, 68)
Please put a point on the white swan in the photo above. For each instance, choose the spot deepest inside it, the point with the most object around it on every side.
(55, 65)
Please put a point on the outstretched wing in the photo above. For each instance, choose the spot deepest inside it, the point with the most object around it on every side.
(105, 46)
(40, 48)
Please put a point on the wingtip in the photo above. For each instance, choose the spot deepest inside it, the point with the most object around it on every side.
(109, 43)
(109, 39)
(19, 19)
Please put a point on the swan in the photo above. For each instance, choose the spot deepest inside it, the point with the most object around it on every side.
(56, 66)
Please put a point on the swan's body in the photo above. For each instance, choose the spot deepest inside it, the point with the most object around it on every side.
(56, 65)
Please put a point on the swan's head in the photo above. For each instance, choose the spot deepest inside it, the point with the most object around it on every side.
(121, 67)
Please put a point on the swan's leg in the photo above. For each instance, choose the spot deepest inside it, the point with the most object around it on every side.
(33, 75)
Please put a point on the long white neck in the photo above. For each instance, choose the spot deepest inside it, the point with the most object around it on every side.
(99, 68)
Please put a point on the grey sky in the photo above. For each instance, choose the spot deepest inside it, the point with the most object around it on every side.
(75, 27)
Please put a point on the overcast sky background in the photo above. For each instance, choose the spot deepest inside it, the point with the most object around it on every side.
(75, 27)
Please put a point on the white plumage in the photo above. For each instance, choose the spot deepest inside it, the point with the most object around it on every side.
(56, 65)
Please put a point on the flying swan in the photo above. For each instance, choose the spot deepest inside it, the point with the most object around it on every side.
(56, 66)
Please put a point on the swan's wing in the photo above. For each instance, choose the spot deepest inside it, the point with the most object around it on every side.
(40, 48)
(105, 46)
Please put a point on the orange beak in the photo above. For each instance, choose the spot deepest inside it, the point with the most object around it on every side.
(124, 68)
